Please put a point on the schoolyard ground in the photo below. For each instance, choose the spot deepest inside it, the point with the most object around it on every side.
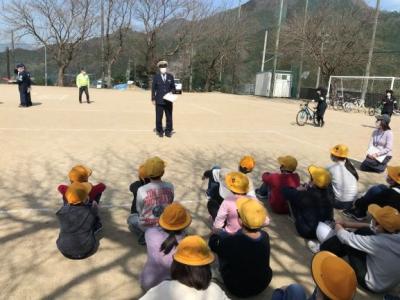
(113, 135)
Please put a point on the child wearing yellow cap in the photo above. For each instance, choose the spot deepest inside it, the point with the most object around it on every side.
(190, 274)
(217, 190)
(81, 173)
(152, 198)
(373, 250)
(334, 278)
(273, 183)
(344, 177)
(244, 256)
(383, 195)
(161, 244)
(79, 223)
(311, 203)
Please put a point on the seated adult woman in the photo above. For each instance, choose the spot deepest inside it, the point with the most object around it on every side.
(380, 147)
(161, 244)
(190, 274)
(311, 203)
(344, 177)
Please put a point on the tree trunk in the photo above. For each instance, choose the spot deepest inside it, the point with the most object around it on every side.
(60, 76)
(109, 83)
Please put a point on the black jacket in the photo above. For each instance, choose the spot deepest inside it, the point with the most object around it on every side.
(160, 88)
(243, 262)
(24, 81)
(388, 105)
(322, 105)
(76, 238)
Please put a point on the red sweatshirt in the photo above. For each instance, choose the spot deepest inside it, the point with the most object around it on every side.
(97, 190)
(275, 182)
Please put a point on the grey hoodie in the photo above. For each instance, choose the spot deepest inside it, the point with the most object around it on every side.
(76, 238)
(383, 257)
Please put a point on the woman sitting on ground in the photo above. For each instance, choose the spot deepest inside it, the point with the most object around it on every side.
(190, 274)
(161, 244)
(380, 147)
(344, 177)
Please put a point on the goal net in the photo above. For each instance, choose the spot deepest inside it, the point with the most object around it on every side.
(373, 87)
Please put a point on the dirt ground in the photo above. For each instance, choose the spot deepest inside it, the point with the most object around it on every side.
(113, 136)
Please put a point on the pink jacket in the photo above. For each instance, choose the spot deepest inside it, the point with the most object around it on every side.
(228, 213)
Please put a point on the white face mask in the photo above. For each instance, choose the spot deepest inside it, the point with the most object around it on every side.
(389, 95)
(163, 70)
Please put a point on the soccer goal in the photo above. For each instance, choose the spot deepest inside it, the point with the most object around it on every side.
(370, 90)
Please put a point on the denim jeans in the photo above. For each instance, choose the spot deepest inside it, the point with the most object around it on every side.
(292, 292)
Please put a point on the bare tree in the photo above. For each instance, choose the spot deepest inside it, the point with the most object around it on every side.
(335, 36)
(59, 25)
(154, 15)
(118, 19)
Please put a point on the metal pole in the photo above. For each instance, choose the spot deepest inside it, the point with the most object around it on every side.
(319, 68)
(271, 91)
(45, 65)
(8, 63)
(102, 39)
(13, 46)
(265, 49)
(329, 90)
(392, 84)
(302, 51)
(371, 50)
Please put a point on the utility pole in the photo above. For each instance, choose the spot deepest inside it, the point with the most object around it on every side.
(371, 50)
(128, 70)
(319, 67)
(302, 51)
(12, 47)
(265, 49)
(102, 39)
(278, 33)
(45, 65)
(8, 63)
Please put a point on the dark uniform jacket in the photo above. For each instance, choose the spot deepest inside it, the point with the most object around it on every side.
(160, 88)
(322, 105)
(388, 105)
(76, 238)
(24, 81)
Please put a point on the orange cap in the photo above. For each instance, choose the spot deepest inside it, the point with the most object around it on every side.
(193, 251)
(251, 212)
(340, 150)
(237, 182)
(79, 173)
(394, 173)
(141, 172)
(175, 217)
(154, 167)
(388, 217)
(247, 162)
(320, 176)
(289, 163)
(78, 192)
(334, 276)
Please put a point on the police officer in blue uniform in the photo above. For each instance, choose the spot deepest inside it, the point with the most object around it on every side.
(23, 79)
(163, 83)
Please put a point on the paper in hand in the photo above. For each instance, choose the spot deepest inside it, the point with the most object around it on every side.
(170, 97)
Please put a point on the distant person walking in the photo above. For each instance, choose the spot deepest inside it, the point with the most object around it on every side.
(389, 104)
(321, 107)
(163, 83)
(23, 79)
(83, 82)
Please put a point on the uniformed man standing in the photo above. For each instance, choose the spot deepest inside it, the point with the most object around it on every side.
(163, 83)
(83, 82)
(23, 79)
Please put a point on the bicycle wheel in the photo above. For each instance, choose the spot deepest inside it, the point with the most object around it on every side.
(315, 121)
(371, 111)
(301, 118)
(335, 105)
(348, 107)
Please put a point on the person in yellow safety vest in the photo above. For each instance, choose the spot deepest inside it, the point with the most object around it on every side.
(83, 82)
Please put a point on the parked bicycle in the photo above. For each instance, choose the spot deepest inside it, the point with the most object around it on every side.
(336, 102)
(355, 103)
(306, 114)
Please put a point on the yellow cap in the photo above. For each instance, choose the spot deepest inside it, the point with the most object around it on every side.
(394, 173)
(251, 212)
(193, 251)
(333, 276)
(78, 192)
(141, 172)
(320, 176)
(340, 151)
(162, 62)
(247, 162)
(175, 217)
(154, 167)
(79, 173)
(388, 217)
(237, 182)
(289, 163)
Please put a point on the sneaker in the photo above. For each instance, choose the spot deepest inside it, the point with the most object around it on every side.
(354, 214)
(168, 134)
(313, 246)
